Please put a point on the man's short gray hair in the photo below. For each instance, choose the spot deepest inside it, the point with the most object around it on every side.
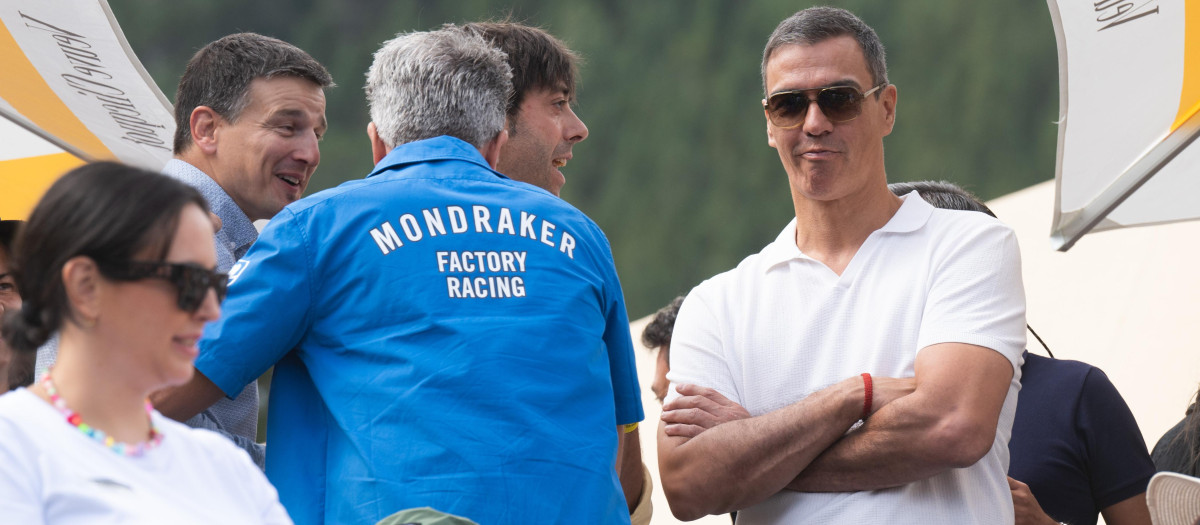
(431, 83)
(818, 24)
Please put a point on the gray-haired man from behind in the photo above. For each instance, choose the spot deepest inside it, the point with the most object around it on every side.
(413, 366)
(249, 112)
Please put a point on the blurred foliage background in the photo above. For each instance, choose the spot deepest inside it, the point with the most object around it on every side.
(676, 169)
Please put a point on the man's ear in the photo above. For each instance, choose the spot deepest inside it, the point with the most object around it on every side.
(81, 280)
(203, 123)
(379, 150)
(889, 97)
(491, 150)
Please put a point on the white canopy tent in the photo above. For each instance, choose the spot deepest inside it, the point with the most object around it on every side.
(1127, 301)
(72, 91)
(1129, 104)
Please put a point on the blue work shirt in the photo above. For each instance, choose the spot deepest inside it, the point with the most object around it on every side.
(446, 337)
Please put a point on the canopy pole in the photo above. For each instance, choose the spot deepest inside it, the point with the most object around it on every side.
(1147, 165)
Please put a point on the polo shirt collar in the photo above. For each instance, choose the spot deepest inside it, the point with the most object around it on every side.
(235, 224)
(914, 212)
(444, 147)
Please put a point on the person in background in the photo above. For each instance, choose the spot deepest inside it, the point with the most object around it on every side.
(249, 113)
(120, 262)
(16, 368)
(657, 336)
(451, 338)
(542, 126)
(1178, 450)
(1076, 451)
(542, 129)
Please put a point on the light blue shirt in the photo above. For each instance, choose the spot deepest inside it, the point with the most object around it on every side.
(235, 418)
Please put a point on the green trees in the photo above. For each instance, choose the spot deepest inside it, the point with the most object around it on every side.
(676, 169)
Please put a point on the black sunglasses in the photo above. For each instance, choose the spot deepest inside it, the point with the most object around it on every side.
(192, 281)
(787, 109)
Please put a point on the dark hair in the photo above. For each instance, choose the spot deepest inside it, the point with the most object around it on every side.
(818, 24)
(1189, 437)
(942, 194)
(219, 76)
(8, 233)
(538, 59)
(658, 333)
(103, 210)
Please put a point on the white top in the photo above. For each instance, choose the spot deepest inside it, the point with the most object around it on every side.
(782, 325)
(51, 473)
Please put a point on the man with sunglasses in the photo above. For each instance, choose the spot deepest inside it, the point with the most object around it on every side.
(867, 307)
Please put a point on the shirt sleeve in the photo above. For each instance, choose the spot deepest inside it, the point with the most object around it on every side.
(976, 295)
(618, 342)
(1118, 461)
(697, 351)
(267, 310)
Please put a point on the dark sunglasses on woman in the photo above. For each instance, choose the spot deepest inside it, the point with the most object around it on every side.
(191, 280)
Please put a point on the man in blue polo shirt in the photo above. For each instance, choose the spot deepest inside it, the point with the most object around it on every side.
(445, 336)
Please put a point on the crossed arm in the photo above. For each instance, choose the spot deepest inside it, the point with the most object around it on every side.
(713, 458)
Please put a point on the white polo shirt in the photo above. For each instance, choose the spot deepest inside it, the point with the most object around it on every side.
(782, 325)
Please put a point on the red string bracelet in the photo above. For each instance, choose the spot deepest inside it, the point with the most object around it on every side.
(867, 394)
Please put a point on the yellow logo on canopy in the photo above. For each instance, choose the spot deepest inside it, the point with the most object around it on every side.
(1189, 99)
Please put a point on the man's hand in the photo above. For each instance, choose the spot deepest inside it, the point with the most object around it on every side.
(1026, 507)
(699, 409)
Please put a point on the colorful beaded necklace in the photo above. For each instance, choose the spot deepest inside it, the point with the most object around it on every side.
(133, 451)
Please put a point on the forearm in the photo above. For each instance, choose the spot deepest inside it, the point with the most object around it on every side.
(629, 466)
(949, 421)
(741, 463)
(894, 447)
(183, 402)
(1132, 511)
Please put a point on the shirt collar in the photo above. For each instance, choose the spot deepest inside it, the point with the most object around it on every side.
(914, 212)
(444, 147)
(234, 222)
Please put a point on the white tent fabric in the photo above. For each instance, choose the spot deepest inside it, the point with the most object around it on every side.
(1129, 78)
(1127, 301)
(72, 91)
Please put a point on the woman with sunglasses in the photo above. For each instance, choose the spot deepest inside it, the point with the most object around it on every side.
(119, 261)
